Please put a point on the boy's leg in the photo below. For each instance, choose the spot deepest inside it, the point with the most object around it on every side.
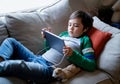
(11, 47)
(26, 70)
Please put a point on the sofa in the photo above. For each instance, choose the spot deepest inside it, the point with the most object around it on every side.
(26, 27)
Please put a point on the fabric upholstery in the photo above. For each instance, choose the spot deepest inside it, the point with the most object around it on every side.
(107, 2)
(11, 80)
(104, 27)
(88, 78)
(107, 81)
(54, 17)
(110, 57)
(116, 15)
(28, 26)
(116, 6)
(3, 31)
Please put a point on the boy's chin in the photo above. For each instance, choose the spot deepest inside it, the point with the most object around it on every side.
(72, 36)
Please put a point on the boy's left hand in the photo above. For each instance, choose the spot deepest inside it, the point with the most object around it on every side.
(45, 29)
(67, 51)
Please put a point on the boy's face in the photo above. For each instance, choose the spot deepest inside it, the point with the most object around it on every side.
(75, 27)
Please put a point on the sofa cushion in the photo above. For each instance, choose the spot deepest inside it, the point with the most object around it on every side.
(11, 80)
(99, 39)
(116, 17)
(116, 6)
(107, 81)
(88, 78)
(3, 30)
(54, 17)
(109, 60)
(26, 27)
(107, 2)
(105, 27)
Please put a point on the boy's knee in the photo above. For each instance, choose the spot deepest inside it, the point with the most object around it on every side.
(10, 39)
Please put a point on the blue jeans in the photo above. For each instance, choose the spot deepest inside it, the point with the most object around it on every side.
(21, 62)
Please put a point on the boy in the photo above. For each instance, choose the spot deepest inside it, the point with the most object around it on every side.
(26, 65)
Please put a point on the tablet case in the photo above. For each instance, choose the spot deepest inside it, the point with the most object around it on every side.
(54, 41)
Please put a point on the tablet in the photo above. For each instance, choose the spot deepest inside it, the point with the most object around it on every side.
(54, 41)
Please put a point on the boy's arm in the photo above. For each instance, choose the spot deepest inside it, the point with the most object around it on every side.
(85, 60)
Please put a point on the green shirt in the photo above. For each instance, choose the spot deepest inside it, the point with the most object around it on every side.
(86, 59)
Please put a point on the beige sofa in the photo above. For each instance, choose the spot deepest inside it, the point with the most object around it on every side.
(25, 26)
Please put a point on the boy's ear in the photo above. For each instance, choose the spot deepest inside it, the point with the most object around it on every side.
(85, 30)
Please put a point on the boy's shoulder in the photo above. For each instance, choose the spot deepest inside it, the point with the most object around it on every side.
(85, 38)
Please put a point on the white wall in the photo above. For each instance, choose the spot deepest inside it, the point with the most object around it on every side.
(16, 5)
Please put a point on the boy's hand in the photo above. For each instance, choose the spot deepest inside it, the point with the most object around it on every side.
(45, 29)
(67, 51)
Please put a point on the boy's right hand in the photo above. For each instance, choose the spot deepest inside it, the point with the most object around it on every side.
(45, 29)
(67, 51)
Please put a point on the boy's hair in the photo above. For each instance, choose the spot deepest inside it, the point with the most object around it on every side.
(86, 19)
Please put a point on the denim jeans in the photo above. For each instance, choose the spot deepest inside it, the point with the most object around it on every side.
(21, 62)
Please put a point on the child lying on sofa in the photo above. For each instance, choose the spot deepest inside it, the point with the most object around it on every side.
(17, 60)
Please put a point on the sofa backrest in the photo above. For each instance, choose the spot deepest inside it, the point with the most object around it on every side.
(3, 30)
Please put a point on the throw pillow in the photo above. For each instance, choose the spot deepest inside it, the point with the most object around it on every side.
(99, 39)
